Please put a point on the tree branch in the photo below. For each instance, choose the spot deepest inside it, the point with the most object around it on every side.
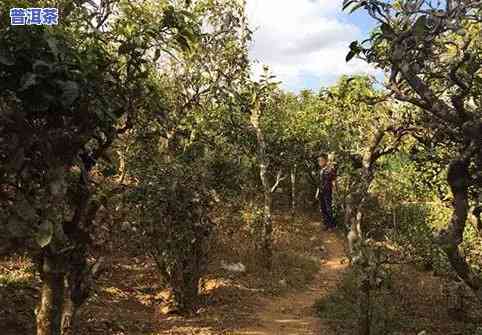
(279, 179)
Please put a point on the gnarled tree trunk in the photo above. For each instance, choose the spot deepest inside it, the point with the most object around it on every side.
(268, 190)
(267, 195)
(354, 218)
(364, 319)
(69, 312)
(451, 238)
(355, 201)
(49, 312)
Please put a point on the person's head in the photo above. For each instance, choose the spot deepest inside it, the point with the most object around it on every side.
(323, 160)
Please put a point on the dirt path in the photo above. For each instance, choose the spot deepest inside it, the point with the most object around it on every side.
(293, 313)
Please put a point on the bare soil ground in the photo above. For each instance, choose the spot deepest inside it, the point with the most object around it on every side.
(294, 313)
(309, 267)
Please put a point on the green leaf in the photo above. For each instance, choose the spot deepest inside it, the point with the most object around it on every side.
(124, 48)
(41, 67)
(44, 234)
(6, 59)
(188, 14)
(110, 114)
(356, 7)
(183, 42)
(52, 43)
(157, 54)
(387, 31)
(70, 92)
(92, 3)
(28, 80)
(347, 3)
(109, 171)
(420, 26)
(350, 55)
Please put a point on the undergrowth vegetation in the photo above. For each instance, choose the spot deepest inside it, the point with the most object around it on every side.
(144, 170)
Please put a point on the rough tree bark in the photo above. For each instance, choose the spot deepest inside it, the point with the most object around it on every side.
(49, 312)
(69, 311)
(293, 190)
(267, 196)
(79, 283)
(458, 122)
(453, 112)
(268, 190)
(354, 219)
(458, 178)
(79, 276)
(355, 240)
(353, 214)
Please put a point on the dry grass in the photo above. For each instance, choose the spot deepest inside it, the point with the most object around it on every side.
(129, 296)
(413, 302)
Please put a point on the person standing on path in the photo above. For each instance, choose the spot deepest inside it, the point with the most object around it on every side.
(324, 193)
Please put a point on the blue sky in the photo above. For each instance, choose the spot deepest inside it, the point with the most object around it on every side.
(305, 42)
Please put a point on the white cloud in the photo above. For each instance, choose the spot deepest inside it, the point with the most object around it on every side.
(298, 39)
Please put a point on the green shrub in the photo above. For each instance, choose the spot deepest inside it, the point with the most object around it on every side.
(174, 228)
